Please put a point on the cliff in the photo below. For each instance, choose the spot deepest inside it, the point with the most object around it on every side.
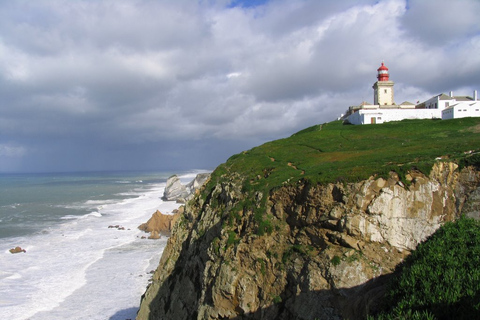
(276, 242)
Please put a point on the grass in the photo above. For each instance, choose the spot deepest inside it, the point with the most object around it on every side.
(335, 152)
(441, 278)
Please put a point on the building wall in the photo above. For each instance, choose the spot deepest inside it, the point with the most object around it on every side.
(383, 93)
(370, 116)
(462, 110)
(436, 103)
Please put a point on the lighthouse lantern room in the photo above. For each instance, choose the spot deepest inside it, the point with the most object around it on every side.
(382, 73)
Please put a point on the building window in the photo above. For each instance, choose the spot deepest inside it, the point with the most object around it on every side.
(380, 118)
(385, 91)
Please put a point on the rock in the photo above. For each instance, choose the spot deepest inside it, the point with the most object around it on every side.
(196, 183)
(160, 223)
(154, 235)
(328, 252)
(175, 191)
(17, 250)
(118, 227)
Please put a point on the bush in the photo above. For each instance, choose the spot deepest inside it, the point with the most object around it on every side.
(335, 260)
(232, 238)
(441, 278)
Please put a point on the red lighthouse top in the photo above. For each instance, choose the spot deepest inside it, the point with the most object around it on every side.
(383, 73)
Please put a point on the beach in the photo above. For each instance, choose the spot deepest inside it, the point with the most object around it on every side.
(92, 265)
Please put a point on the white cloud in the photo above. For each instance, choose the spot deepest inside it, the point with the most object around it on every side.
(12, 151)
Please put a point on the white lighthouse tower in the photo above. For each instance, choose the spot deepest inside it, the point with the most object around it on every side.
(383, 88)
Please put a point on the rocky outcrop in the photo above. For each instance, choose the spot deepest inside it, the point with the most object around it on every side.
(303, 251)
(160, 223)
(17, 250)
(176, 191)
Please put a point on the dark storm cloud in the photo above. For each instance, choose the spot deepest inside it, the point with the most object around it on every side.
(154, 84)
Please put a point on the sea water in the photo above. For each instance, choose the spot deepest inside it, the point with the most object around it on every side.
(85, 257)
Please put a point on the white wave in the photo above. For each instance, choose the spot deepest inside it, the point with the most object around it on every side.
(91, 214)
(69, 217)
(100, 202)
(66, 268)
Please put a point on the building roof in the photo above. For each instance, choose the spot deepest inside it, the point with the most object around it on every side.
(382, 67)
(444, 96)
(463, 98)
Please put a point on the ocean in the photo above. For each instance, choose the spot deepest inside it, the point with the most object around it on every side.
(78, 264)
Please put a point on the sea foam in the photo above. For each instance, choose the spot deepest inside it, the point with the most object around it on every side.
(81, 268)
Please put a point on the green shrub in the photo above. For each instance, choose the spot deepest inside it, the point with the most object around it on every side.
(277, 299)
(232, 238)
(441, 278)
(336, 260)
(471, 160)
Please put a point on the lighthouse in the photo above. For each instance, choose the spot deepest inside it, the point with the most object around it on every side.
(383, 88)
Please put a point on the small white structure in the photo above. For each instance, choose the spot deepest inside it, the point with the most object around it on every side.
(372, 114)
(384, 108)
(462, 109)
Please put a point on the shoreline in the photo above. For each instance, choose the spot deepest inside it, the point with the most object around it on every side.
(91, 266)
(81, 261)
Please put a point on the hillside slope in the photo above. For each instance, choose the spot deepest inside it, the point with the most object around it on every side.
(311, 226)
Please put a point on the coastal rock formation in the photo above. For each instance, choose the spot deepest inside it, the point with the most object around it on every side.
(160, 223)
(197, 183)
(176, 191)
(17, 250)
(316, 251)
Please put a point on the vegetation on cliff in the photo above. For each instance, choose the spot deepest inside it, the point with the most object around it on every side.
(336, 152)
(441, 278)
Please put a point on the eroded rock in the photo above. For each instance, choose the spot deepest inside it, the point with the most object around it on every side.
(17, 250)
(159, 223)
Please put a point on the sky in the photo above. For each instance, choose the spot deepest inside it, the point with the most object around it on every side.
(175, 85)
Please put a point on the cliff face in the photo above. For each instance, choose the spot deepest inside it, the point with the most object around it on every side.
(316, 252)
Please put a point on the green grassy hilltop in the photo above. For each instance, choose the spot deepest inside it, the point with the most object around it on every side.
(336, 152)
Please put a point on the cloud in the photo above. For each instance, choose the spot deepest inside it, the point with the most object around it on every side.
(114, 83)
(12, 151)
(437, 22)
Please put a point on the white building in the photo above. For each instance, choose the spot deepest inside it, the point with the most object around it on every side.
(462, 109)
(384, 108)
